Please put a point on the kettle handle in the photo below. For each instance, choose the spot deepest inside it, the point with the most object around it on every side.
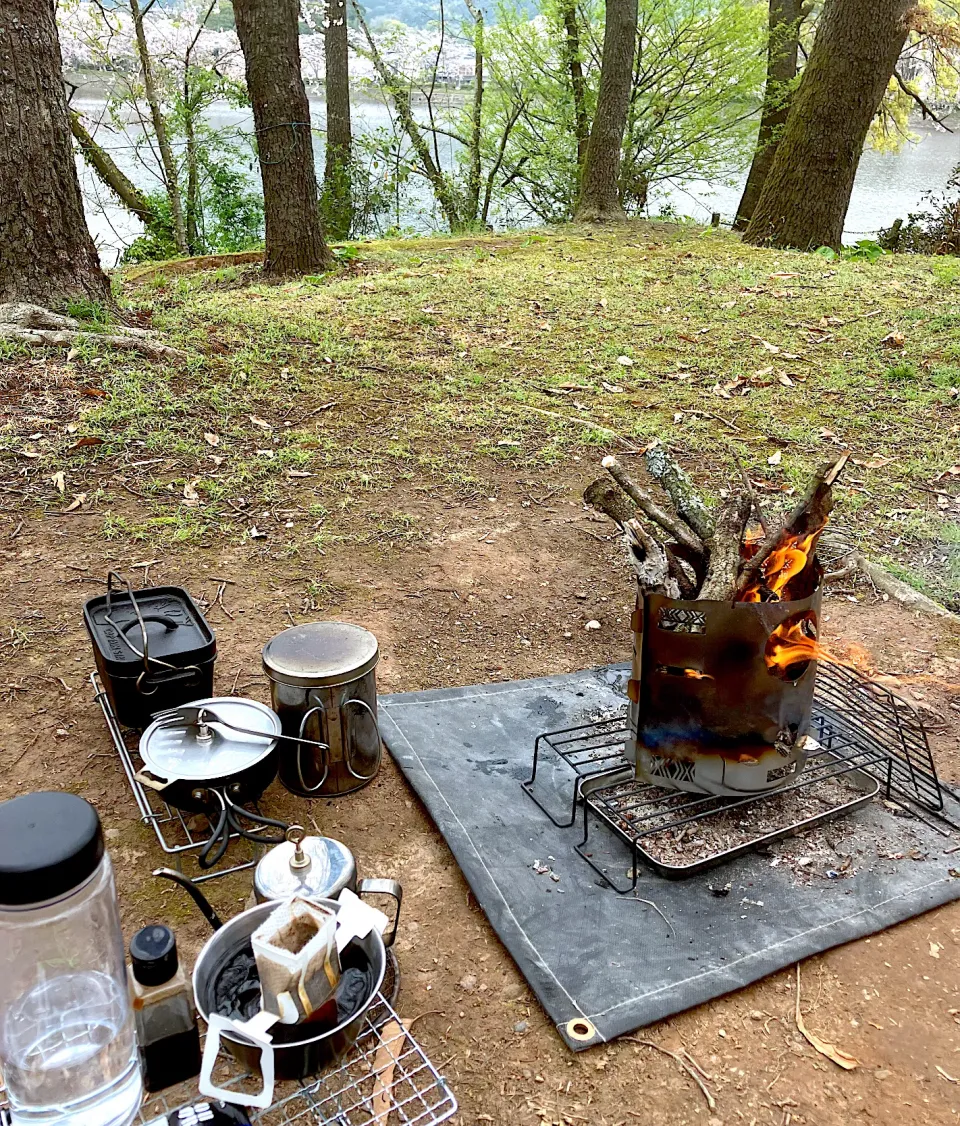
(374, 886)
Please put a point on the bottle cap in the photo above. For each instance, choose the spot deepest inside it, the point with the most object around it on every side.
(50, 844)
(153, 954)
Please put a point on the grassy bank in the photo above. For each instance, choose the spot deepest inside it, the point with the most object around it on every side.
(424, 367)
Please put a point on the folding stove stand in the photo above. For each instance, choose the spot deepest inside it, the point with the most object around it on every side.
(871, 742)
(172, 826)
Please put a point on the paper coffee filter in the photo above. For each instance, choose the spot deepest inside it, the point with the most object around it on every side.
(297, 959)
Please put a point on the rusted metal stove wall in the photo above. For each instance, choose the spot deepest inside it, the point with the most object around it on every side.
(729, 725)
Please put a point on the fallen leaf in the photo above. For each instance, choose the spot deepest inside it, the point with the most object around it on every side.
(59, 480)
(935, 949)
(261, 422)
(256, 534)
(874, 463)
(785, 379)
(29, 451)
(427, 309)
(766, 345)
(625, 361)
(893, 340)
(775, 458)
(763, 373)
(839, 1057)
(949, 1078)
(76, 503)
(678, 416)
(212, 439)
(88, 441)
(190, 494)
(508, 442)
(612, 389)
(298, 473)
(93, 392)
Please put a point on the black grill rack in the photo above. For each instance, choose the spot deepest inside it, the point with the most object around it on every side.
(637, 812)
(590, 750)
(871, 742)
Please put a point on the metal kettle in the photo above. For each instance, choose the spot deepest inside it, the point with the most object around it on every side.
(317, 868)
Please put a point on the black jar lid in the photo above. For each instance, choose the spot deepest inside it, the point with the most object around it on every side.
(50, 843)
(153, 954)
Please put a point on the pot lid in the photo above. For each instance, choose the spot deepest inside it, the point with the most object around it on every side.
(183, 753)
(177, 632)
(319, 654)
(307, 866)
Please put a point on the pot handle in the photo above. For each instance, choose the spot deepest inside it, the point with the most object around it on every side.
(346, 755)
(217, 1024)
(392, 888)
(152, 781)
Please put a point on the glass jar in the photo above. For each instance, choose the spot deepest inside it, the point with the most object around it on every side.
(163, 1010)
(67, 1046)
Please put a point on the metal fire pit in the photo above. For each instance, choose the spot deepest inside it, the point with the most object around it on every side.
(708, 714)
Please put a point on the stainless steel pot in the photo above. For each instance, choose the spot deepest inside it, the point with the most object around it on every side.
(317, 868)
(323, 686)
(295, 1060)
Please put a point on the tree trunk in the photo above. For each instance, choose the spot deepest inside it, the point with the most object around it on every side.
(474, 171)
(46, 252)
(126, 191)
(268, 30)
(599, 197)
(337, 193)
(807, 191)
(783, 49)
(571, 50)
(167, 159)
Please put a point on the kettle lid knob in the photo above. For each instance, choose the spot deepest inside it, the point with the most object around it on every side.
(296, 835)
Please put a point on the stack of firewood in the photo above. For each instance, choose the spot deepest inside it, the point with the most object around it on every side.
(680, 548)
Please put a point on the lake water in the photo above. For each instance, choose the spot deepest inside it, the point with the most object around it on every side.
(888, 185)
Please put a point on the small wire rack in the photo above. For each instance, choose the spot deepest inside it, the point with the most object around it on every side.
(180, 835)
(871, 742)
(385, 1079)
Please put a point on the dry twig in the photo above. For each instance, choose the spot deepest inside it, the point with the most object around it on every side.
(711, 1101)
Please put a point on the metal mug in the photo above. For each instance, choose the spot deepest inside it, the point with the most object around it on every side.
(323, 687)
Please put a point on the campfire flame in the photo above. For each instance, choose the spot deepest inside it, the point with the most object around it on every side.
(794, 643)
(784, 563)
(696, 674)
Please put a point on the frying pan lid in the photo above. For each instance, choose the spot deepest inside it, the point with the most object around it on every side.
(176, 753)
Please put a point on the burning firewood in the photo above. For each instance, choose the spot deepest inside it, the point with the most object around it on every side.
(646, 556)
(688, 552)
(784, 551)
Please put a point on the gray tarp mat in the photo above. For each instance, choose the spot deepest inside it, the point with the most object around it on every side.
(586, 951)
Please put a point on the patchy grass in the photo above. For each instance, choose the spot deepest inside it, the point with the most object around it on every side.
(427, 364)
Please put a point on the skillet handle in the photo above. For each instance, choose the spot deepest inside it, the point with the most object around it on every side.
(151, 781)
(392, 888)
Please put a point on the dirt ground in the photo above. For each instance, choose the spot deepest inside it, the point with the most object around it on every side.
(501, 588)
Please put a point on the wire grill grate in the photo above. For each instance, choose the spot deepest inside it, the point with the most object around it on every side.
(871, 741)
(386, 1079)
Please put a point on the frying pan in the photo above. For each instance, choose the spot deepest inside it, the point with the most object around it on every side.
(215, 770)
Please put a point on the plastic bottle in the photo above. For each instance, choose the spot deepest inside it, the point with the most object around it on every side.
(67, 1047)
(163, 1009)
